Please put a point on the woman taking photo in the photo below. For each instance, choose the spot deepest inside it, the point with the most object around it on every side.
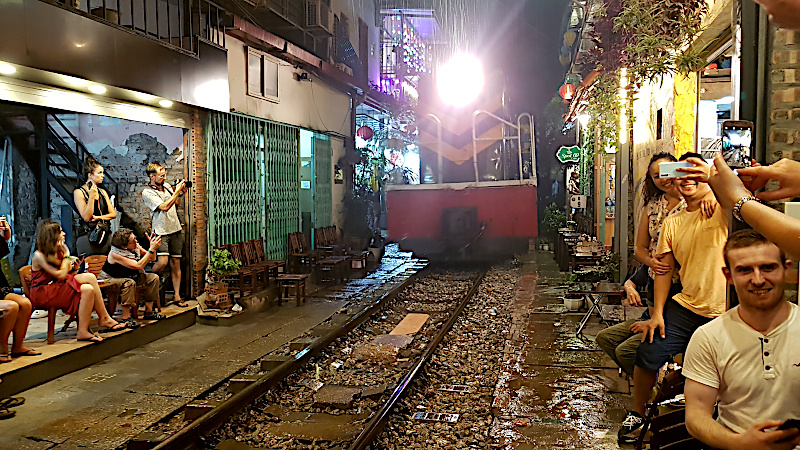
(95, 208)
(16, 308)
(53, 283)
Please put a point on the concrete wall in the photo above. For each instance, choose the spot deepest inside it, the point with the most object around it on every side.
(338, 190)
(309, 104)
(649, 99)
(125, 148)
(367, 11)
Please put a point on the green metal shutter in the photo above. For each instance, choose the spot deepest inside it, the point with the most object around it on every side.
(235, 203)
(252, 181)
(282, 186)
(323, 197)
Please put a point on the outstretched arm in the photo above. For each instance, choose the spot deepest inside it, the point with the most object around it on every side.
(777, 227)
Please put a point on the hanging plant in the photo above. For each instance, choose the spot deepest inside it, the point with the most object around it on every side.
(648, 37)
(659, 32)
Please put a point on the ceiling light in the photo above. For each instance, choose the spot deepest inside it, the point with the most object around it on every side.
(7, 69)
(74, 81)
(79, 45)
(97, 89)
(165, 103)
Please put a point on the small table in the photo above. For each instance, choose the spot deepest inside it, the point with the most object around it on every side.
(580, 259)
(335, 267)
(594, 296)
(292, 281)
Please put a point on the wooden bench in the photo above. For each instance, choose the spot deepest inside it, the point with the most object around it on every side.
(94, 265)
(287, 282)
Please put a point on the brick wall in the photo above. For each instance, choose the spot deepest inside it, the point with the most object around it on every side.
(199, 227)
(783, 89)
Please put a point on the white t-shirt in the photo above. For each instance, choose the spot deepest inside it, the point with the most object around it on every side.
(758, 376)
(164, 222)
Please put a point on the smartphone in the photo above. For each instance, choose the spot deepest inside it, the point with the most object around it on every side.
(737, 137)
(669, 169)
(83, 256)
(791, 423)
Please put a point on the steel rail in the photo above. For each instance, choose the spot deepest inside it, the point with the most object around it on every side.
(379, 420)
(189, 437)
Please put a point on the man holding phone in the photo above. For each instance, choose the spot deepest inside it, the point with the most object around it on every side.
(746, 359)
(161, 199)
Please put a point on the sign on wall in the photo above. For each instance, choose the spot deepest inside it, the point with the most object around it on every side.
(577, 201)
(569, 154)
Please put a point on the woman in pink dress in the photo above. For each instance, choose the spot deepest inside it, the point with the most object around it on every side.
(54, 284)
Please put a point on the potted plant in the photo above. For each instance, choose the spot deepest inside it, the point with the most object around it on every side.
(554, 219)
(220, 265)
(572, 300)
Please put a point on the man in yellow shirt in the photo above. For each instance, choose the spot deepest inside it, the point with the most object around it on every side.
(693, 242)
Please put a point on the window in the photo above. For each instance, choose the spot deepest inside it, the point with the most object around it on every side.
(262, 75)
(659, 124)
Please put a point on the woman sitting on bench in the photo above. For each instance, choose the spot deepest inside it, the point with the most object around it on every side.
(16, 309)
(53, 283)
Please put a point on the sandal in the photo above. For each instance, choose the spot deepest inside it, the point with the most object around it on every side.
(152, 315)
(5, 357)
(28, 352)
(93, 338)
(6, 414)
(121, 326)
(181, 303)
(11, 402)
(130, 323)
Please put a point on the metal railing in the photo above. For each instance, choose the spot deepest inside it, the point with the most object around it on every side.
(65, 156)
(174, 23)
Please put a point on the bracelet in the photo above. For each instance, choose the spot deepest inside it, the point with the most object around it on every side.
(737, 208)
(150, 251)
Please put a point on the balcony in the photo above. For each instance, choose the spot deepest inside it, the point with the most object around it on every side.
(174, 23)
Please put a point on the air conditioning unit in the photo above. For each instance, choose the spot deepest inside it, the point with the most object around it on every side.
(344, 68)
(319, 18)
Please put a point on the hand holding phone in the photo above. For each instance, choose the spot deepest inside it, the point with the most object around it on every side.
(789, 424)
(670, 169)
(737, 138)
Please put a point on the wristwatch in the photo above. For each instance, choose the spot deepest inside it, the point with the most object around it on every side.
(737, 208)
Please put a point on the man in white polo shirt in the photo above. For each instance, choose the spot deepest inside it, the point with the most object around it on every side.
(748, 359)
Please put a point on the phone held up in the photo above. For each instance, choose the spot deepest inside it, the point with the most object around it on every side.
(737, 137)
(791, 423)
(669, 169)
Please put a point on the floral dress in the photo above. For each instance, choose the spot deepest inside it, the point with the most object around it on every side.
(657, 210)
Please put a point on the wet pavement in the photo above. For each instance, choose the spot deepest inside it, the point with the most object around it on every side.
(556, 390)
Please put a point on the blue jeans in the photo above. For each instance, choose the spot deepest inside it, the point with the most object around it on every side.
(679, 324)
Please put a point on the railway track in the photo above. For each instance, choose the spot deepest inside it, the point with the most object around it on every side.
(339, 387)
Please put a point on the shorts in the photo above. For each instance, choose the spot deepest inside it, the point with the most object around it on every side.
(171, 245)
(680, 324)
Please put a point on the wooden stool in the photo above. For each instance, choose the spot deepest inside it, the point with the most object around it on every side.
(292, 281)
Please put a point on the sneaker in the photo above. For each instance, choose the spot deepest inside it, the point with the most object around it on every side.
(39, 313)
(152, 315)
(630, 429)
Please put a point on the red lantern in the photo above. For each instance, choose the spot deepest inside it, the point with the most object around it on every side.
(364, 133)
(567, 91)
